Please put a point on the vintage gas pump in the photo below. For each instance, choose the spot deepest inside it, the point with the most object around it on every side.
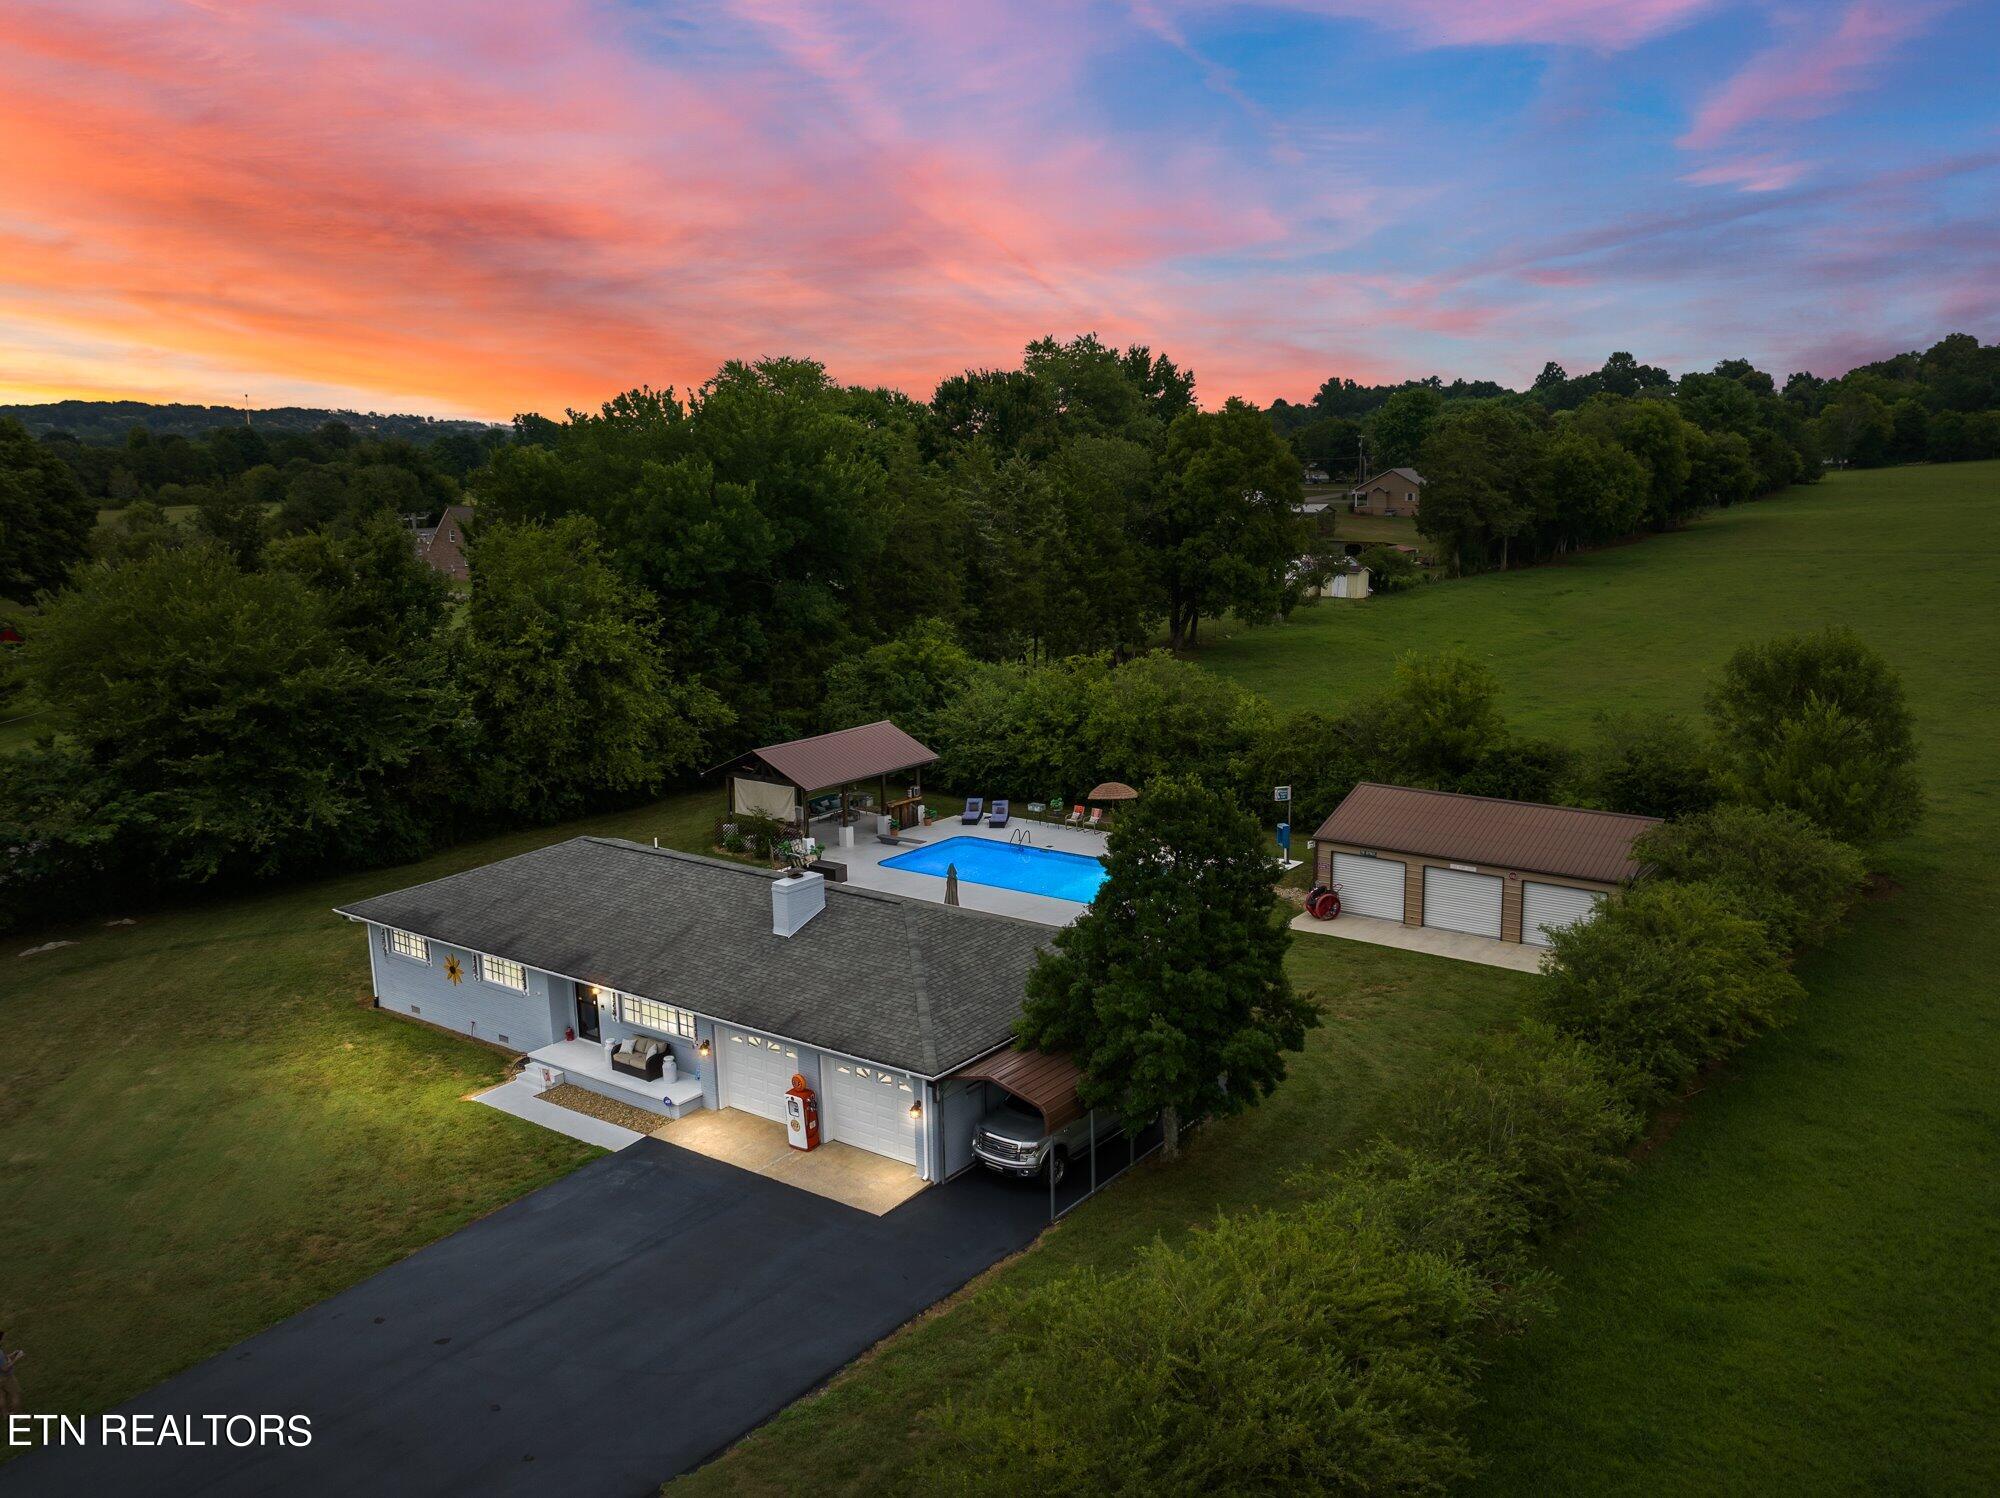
(801, 1115)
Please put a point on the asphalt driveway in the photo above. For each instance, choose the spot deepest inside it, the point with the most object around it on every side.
(596, 1337)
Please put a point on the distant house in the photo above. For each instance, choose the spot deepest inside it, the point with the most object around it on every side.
(443, 545)
(1394, 491)
(1314, 475)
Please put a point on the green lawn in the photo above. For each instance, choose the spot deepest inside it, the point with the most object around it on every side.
(203, 1129)
(1389, 1016)
(1800, 1290)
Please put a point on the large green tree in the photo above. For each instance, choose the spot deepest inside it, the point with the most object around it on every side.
(45, 517)
(1819, 723)
(1223, 528)
(1170, 991)
(224, 728)
(569, 686)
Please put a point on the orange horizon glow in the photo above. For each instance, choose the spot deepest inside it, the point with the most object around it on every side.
(422, 207)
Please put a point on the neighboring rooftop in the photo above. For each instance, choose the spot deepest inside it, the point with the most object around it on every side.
(908, 983)
(1406, 473)
(1566, 841)
(844, 756)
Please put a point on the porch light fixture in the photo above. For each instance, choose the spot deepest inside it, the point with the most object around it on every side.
(917, 1108)
(704, 1048)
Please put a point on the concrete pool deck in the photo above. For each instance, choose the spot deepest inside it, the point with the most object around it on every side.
(865, 859)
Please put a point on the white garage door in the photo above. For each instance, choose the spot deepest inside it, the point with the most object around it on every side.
(756, 1071)
(1550, 907)
(1458, 901)
(868, 1107)
(1369, 886)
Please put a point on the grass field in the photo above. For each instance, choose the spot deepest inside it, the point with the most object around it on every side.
(1801, 1289)
(203, 1130)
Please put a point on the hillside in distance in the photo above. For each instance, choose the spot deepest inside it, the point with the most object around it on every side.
(109, 421)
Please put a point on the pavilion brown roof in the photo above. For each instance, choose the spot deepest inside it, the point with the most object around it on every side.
(845, 755)
(1045, 1080)
(1567, 841)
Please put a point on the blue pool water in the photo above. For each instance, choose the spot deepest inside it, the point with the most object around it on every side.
(985, 860)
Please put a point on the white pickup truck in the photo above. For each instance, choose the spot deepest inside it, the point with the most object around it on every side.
(1013, 1140)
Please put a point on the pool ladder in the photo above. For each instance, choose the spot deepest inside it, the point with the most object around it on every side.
(1021, 837)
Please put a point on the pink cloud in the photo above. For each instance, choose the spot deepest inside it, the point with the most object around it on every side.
(1603, 25)
(1765, 172)
(1804, 77)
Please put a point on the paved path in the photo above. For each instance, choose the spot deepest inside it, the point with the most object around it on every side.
(1456, 945)
(596, 1337)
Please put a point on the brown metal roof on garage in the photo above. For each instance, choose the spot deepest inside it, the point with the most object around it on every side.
(1566, 841)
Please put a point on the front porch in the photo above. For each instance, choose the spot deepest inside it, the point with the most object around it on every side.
(585, 1064)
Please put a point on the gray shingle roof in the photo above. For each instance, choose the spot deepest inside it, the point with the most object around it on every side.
(904, 982)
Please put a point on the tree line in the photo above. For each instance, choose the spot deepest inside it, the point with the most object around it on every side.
(1577, 461)
(267, 681)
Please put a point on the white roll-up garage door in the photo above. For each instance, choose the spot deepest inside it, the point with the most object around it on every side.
(1457, 901)
(756, 1071)
(1369, 886)
(869, 1108)
(1550, 907)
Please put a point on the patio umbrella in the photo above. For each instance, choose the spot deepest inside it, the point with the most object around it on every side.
(951, 884)
(1113, 790)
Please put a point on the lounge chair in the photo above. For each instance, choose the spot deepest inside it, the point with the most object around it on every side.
(999, 817)
(1096, 817)
(1075, 818)
(975, 808)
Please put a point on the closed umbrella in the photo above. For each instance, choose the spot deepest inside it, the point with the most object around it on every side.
(951, 884)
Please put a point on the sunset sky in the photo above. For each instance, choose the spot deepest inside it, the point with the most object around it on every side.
(480, 209)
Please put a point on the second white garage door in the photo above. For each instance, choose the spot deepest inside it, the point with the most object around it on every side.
(1550, 907)
(1457, 901)
(756, 1071)
(869, 1108)
(1369, 886)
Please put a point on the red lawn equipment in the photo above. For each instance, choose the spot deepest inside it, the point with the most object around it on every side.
(1323, 904)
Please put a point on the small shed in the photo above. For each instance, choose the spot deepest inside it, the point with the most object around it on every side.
(1509, 870)
(781, 780)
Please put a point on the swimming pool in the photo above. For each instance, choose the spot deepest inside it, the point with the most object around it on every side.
(1015, 866)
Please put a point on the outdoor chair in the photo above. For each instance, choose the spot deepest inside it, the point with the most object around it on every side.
(1075, 818)
(1096, 817)
(975, 808)
(999, 817)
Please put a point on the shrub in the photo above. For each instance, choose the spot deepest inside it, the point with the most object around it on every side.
(1461, 1208)
(1818, 723)
(1274, 1352)
(1666, 979)
(1440, 719)
(1056, 730)
(1778, 866)
(1389, 570)
(909, 680)
(1536, 1106)
(1651, 765)
(1520, 770)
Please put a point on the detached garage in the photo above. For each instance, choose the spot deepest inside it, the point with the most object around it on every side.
(1508, 870)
